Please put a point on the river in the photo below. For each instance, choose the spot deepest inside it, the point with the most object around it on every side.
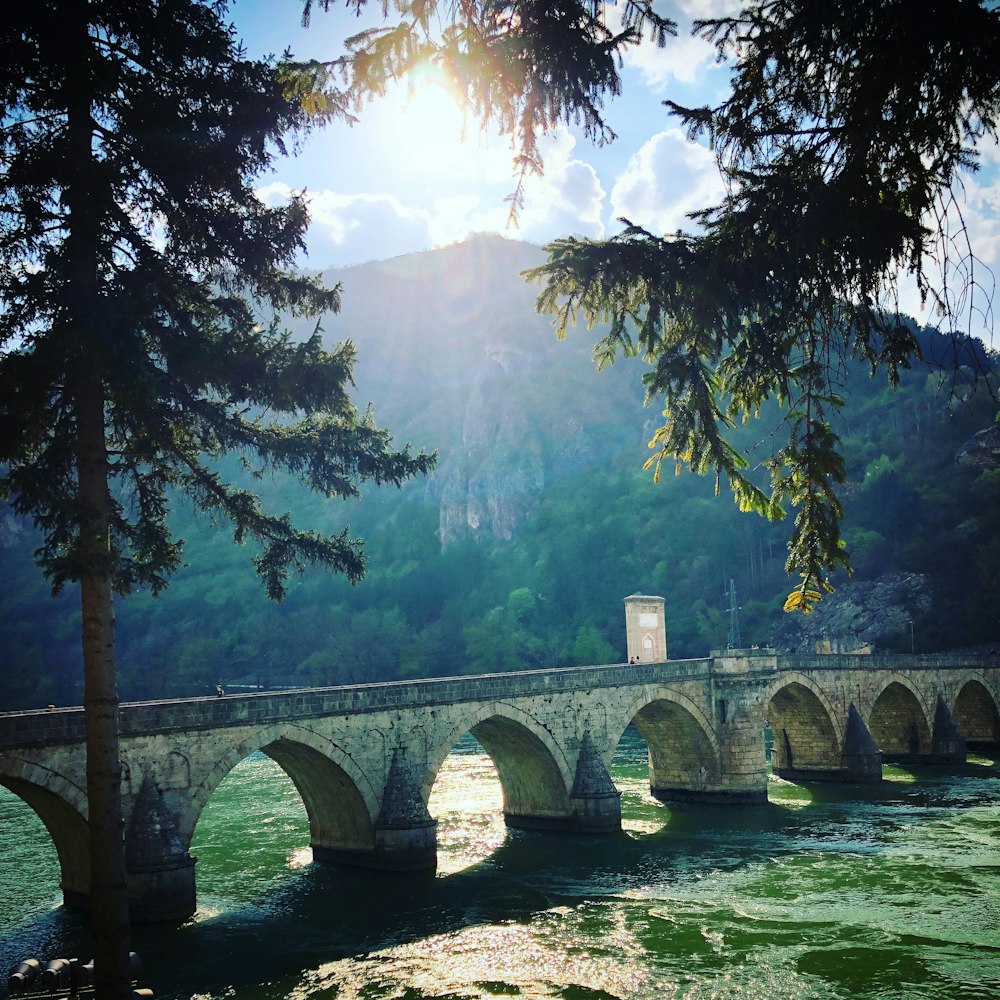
(824, 892)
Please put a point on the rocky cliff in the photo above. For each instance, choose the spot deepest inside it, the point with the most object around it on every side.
(491, 482)
(982, 450)
(860, 616)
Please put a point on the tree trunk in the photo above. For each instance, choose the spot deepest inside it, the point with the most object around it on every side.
(108, 880)
(86, 196)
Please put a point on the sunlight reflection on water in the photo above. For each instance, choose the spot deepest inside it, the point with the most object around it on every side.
(824, 893)
(533, 960)
(468, 801)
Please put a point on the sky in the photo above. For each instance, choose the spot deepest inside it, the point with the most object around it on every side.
(409, 176)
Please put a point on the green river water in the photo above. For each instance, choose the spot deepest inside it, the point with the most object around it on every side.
(824, 892)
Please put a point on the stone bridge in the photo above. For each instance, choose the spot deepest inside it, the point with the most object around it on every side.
(364, 758)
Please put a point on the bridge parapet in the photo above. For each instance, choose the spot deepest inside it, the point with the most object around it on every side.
(42, 727)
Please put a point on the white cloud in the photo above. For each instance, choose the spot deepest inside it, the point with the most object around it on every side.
(275, 193)
(664, 181)
(457, 216)
(567, 198)
(684, 59)
(348, 229)
(695, 9)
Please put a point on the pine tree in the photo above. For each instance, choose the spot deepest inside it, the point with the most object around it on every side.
(142, 283)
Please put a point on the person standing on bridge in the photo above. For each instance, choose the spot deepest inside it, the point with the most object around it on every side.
(219, 690)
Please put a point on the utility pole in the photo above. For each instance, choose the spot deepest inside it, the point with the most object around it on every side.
(734, 616)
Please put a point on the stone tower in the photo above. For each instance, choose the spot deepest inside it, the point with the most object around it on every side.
(645, 628)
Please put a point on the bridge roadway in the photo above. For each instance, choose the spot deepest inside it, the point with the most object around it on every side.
(364, 758)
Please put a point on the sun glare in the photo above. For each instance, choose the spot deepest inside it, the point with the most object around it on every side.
(432, 129)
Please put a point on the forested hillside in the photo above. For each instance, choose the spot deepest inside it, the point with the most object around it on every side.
(539, 520)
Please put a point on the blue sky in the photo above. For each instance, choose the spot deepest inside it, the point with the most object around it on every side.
(405, 179)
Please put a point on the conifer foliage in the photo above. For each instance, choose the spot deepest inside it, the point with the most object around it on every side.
(839, 144)
(141, 280)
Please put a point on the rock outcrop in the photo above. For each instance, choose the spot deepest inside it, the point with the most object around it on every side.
(492, 482)
(860, 615)
(982, 450)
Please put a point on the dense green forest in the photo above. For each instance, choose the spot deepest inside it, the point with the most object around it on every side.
(539, 520)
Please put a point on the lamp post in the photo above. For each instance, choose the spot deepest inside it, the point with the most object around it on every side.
(912, 649)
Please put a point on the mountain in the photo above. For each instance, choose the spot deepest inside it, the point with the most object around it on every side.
(518, 550)
(455, 357)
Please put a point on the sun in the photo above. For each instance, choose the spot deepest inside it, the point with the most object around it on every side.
(433, 130)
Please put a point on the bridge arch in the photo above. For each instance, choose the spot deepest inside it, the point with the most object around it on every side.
(808, 733)
(338, 797)
(534, 773)
(61, 805)
(684, 755)
(977, 712)
(899, 720)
